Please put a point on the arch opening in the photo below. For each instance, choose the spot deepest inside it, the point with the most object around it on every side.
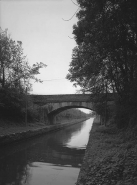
(52, 115)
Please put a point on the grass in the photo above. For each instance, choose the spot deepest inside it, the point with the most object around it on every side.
(8, 127)
(110, 158)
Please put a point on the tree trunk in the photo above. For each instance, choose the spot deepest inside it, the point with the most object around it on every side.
(3, 80)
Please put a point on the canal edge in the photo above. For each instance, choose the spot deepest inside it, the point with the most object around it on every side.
(24, 135)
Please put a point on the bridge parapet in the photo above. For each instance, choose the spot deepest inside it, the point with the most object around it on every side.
(60, 98)
(43, 99)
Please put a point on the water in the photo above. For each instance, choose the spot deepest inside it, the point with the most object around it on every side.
(51, 159)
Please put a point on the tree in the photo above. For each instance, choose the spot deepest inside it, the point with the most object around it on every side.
(4, 55)
(15, 69)
(106, 52)
(15, 75)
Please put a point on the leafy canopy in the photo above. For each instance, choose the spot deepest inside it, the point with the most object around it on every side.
(106, 51)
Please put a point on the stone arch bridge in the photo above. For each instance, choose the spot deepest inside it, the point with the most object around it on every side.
(51, 105)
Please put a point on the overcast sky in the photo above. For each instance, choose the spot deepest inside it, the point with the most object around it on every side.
(45, 36)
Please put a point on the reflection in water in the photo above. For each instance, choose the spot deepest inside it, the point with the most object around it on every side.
(80, 139)
(47, 159)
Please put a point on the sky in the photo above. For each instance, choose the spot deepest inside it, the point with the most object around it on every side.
(46, 38)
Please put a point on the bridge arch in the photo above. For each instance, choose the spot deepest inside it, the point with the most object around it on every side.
(52, 115)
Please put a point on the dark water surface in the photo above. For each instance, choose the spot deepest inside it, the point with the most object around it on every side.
(51, 159)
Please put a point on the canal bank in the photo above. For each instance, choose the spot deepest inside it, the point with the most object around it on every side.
(13, 134)
(110, 157)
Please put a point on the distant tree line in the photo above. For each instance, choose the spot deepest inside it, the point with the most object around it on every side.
(71, 114)
(15, 76)
(105, 58)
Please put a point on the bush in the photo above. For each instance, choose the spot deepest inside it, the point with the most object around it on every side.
(11, 104)
(123, 115)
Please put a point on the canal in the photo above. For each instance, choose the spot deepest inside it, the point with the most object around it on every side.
(51, 159)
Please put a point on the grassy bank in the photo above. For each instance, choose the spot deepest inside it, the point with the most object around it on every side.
(110, 158)
(7, 128)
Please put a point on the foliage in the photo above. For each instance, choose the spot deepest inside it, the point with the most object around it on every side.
(104, 59)
(15, 71)
(71, 114)
(106, 50)
(11, 104)
(15, 76)
(92, 114)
